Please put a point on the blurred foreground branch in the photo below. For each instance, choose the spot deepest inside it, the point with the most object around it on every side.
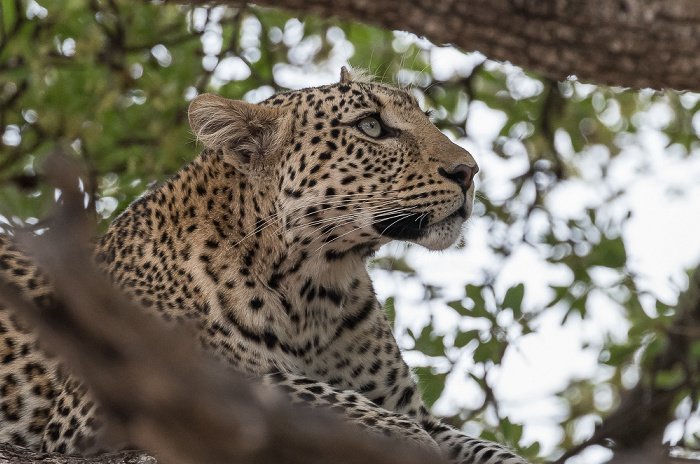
(156, 387)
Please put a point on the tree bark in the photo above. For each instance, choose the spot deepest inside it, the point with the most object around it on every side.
(18, 455)
(628, 43)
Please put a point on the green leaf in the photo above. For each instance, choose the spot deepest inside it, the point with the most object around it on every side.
(463, 338)
(390, 310)
(620, 354)
(514, 299)
(669, 379)
(488, 351)
(393, 263)
(474, 293)
(511, 432)
(431, 384)
(428, 342)
(608, 253)
(457, 306)
(559, 294)
(530, 451)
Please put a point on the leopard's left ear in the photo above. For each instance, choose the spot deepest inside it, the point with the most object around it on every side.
(249, 135)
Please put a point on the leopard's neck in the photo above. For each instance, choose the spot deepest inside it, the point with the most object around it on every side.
(210, 244)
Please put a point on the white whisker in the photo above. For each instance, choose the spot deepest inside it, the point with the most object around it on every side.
(399, 213)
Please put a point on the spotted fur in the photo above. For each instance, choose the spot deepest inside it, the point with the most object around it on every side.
(262, 242)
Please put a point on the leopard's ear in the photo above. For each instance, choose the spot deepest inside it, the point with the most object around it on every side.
(345, 77)
(248, 135)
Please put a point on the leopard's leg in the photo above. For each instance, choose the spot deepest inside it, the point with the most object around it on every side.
(460, 448)
(354, 407)
(377, 369)
(76, 424)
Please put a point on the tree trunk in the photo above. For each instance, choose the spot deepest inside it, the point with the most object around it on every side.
(628, 43)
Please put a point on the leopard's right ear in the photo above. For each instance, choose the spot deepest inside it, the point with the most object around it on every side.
(345, 76)
(249, 135)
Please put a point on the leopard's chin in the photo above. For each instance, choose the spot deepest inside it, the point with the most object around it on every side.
(443, 234)
(417, 229)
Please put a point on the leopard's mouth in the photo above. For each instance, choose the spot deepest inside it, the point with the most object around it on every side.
(414, 226)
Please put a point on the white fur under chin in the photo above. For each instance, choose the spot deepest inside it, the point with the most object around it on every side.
(442, 235)
(445, 233)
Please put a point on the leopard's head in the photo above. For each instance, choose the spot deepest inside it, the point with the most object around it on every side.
(355, 164)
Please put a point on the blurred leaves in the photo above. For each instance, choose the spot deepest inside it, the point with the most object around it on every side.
(431, 384)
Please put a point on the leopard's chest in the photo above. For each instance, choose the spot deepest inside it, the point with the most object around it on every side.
(290, 325)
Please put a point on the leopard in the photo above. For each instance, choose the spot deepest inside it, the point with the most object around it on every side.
(261, 242)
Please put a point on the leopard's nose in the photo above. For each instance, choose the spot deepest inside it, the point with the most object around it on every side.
(462, 174)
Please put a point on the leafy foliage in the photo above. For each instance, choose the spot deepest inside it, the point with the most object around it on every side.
(112, 79)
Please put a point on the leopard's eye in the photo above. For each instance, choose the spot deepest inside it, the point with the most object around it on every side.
(370, 126)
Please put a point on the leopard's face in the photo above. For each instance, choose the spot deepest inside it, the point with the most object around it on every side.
(356, 164)
(366, 165)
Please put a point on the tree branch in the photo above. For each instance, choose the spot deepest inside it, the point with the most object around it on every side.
(637, 424)
(630, 43)
(18, 455)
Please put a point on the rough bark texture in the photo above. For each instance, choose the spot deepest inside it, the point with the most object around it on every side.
(17, 455)
(629, 43)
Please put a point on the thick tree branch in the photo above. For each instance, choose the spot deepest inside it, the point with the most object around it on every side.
(629, 43)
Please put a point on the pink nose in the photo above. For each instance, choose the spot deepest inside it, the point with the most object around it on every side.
(462, 174)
